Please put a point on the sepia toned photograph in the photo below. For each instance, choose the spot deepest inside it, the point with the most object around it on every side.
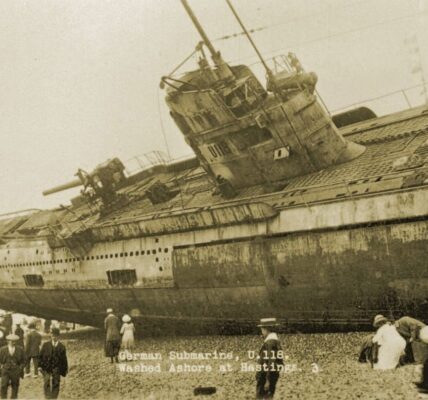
(214, 199)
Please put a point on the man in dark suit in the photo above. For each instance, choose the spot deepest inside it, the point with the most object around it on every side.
(270, 360)
(33, 340)
(12, 361)
(20, 333)
(53, 364)
(112, 327)
(3, 341)
(8, 322)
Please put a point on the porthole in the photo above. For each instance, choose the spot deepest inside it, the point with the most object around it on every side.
(160, 269)
(131, 254)
(165, 250)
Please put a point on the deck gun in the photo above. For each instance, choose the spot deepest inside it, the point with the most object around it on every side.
(99, 185)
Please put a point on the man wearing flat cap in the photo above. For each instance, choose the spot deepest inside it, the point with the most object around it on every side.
(12, 361)
(270, 359)
(53, 364)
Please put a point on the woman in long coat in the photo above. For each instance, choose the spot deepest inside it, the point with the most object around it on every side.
(112, 345)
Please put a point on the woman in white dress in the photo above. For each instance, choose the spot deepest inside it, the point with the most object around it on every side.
(127, 331)
(391, 344)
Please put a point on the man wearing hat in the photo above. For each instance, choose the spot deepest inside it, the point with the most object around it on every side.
(20, 333)
(112, 327)
(12, 361)
(8, 322)
(270, 358)
(53, 364)
(33, 340)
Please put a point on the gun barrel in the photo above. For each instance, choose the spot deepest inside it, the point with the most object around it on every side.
(60, 188)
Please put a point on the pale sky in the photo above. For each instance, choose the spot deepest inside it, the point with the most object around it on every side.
(79, 79)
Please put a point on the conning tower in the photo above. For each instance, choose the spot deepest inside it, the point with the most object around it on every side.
(245, 134)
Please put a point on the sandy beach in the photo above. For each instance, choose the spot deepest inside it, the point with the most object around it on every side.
(318, 366)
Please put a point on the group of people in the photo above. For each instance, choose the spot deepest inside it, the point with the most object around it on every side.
(392, 345)
(49, 358)
(117, 336)
(387, 348)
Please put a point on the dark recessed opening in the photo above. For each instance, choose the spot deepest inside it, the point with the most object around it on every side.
(122, 277)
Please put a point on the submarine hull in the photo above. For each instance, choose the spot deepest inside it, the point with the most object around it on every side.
(333, 278)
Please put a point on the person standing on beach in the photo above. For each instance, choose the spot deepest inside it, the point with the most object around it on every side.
(112, 327)
(270, 359)
(127, 331)
(12, 361)
(33, 340)
(53, 364)
(8, 322)
(20, 333)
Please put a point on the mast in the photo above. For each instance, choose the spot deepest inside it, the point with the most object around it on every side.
(268, 70)
(223, 71)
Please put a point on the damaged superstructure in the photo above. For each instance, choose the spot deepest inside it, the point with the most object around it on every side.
(280, 210)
